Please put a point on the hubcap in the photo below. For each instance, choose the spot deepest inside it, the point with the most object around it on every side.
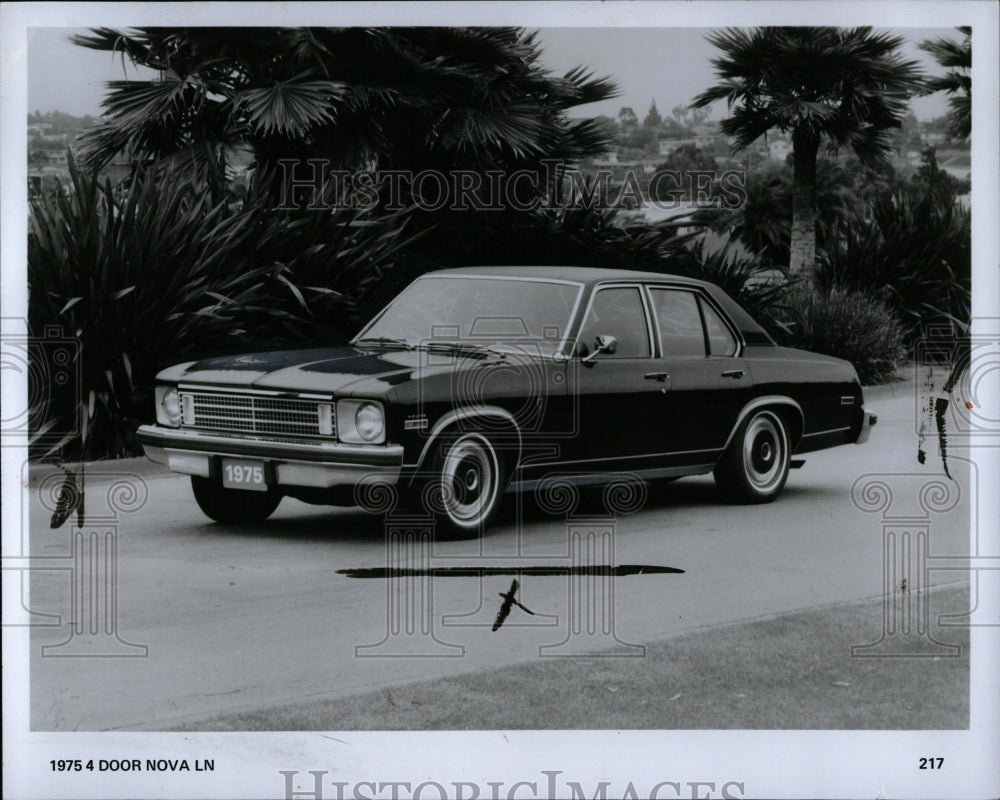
(469, 478)
(764, 453)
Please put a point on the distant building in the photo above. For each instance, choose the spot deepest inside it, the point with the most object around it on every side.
(667, 146)
(705, 137)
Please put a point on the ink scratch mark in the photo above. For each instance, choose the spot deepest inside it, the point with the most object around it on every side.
(961, 364)
(69, 499)
(940, 410)
(508, 602)
(479, 572)
(925, 413)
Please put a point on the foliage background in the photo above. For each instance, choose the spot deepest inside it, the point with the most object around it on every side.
(177, 257)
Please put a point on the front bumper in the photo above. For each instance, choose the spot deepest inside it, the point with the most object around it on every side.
(307, 464)
(868, 420)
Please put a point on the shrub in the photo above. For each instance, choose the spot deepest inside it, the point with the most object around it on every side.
(912, 252)
(842, 323)
(159, 273)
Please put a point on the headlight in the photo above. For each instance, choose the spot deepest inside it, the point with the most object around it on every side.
(168, 406)
(360, 421)
(369, 421)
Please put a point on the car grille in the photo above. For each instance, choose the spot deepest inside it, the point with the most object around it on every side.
(256, 414)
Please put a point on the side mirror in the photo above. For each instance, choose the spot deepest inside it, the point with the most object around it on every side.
(602, 344)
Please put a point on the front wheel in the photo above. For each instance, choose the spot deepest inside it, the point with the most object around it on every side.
(230, 506)
(755, 466)
(468, 483)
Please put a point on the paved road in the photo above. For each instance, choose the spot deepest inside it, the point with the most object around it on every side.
(237, 619)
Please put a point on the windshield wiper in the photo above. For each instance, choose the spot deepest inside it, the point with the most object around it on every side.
(385, 341)
(464, 348)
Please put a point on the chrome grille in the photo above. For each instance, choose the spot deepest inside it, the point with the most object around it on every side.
(254, 414)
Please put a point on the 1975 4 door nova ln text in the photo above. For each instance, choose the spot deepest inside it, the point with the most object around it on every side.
(479, 380)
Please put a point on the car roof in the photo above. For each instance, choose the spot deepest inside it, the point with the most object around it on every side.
(752, 331)
(585, 275)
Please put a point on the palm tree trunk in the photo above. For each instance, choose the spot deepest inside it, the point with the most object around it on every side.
(802, 260)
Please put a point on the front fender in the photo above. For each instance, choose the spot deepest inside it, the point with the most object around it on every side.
(497, 422)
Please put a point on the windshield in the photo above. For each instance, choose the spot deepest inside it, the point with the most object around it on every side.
(477, 311)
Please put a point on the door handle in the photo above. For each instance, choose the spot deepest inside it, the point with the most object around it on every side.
(733, 373)
(657, 376)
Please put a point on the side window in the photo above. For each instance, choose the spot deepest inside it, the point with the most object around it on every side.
(720, 339)
(618, 312)
(676, 312)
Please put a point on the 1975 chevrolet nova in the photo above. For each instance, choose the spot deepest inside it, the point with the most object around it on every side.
(477, 381)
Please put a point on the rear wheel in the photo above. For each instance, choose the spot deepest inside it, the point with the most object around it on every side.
(755, 466)
(233, 505)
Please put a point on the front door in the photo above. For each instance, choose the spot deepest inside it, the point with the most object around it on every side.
(620, 396)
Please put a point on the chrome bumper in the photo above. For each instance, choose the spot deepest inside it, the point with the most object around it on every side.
(868, 421)
(321, 464)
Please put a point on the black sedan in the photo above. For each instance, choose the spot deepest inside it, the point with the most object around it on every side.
(477, 381)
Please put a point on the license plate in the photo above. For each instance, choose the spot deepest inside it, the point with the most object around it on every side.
(240, 474)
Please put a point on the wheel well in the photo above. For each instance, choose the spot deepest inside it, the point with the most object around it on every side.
(502, 433)
(791, 419)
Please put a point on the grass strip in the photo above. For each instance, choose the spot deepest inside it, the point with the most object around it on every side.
(793, 671)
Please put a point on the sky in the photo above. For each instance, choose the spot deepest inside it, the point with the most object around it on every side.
(668, 65)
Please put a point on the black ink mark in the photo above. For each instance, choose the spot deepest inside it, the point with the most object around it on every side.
(508, 601)
(69, 499)
(960, 365)
(940, 409)
(478, 572)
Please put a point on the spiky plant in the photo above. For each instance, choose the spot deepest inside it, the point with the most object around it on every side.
(148, 276)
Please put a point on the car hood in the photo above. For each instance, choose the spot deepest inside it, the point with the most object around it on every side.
(337, 370)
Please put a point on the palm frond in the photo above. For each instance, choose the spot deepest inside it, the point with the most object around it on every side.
(290, 107)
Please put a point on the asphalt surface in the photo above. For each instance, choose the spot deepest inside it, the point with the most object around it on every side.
(213, 619)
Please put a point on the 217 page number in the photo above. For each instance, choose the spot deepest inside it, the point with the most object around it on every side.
(931, 763)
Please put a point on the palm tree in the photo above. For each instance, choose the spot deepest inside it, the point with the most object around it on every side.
(956, 57)
(391, 98)
(847, 87)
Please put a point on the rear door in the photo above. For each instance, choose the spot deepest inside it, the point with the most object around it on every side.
(709, 382)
